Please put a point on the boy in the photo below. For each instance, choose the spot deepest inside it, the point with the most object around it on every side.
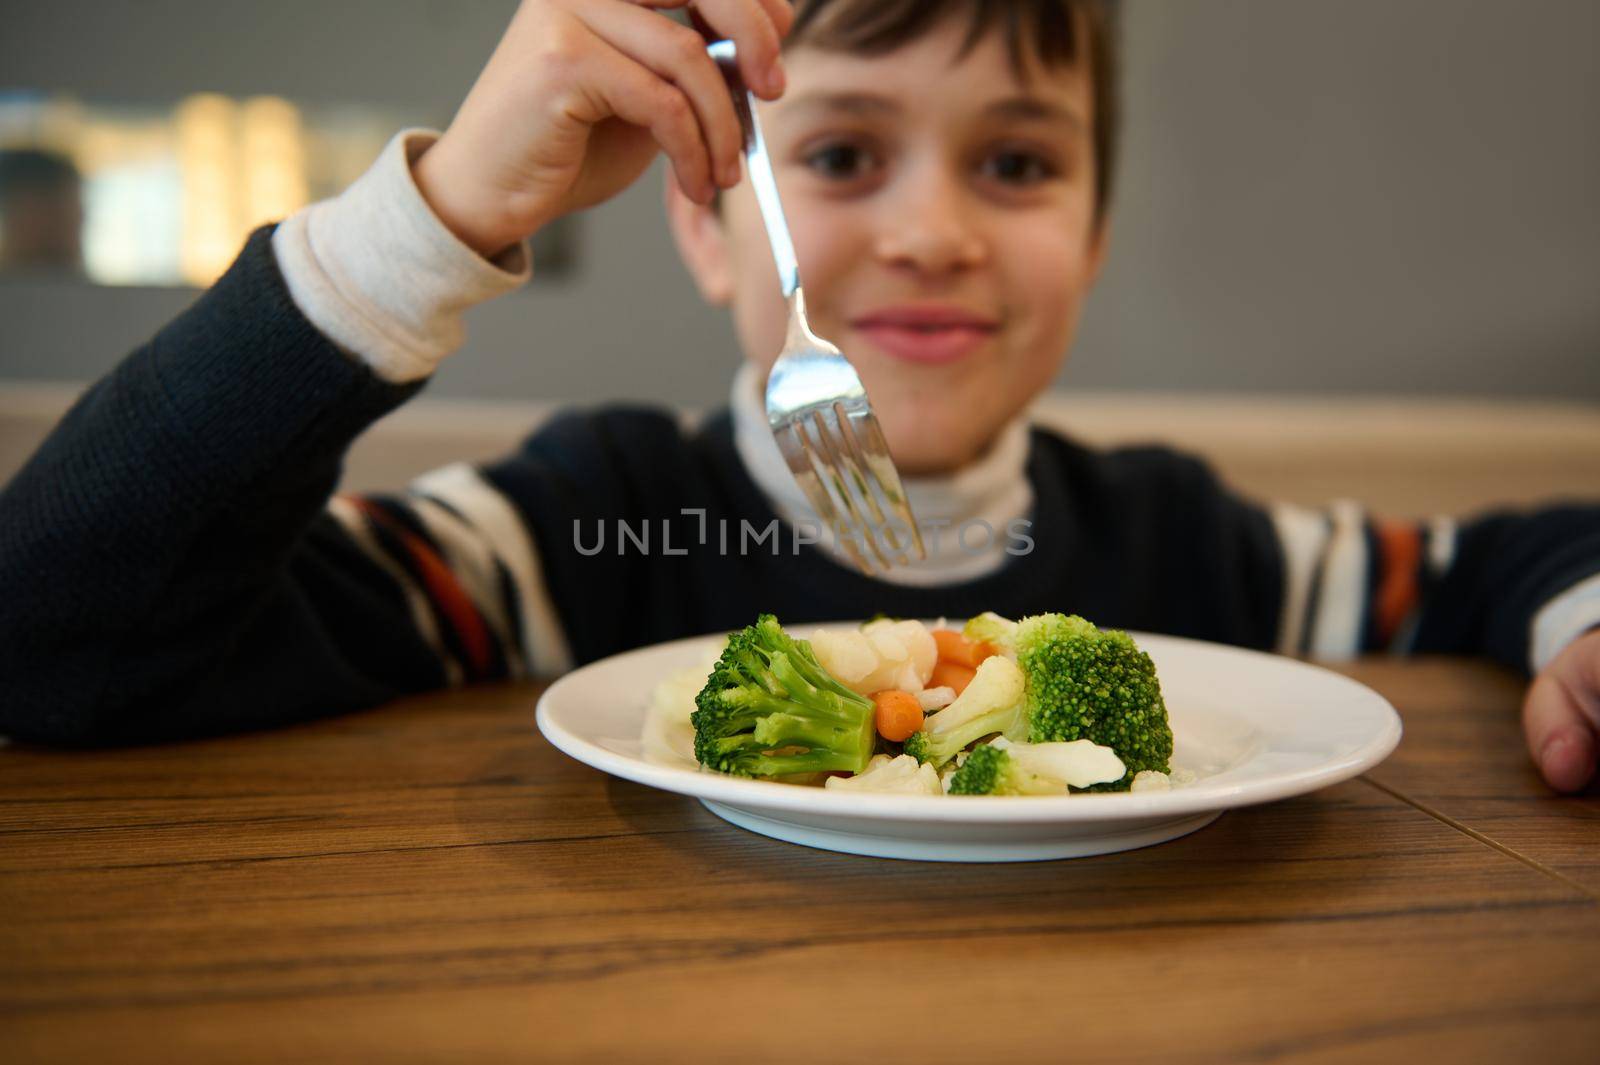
(173, 564)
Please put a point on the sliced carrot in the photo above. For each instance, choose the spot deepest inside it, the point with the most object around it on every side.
(951, 675)
(899, 714)
(954, 647)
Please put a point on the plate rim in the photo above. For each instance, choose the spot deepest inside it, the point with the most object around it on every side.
(771, 795)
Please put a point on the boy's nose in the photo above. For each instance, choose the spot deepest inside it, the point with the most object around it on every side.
(926, 227)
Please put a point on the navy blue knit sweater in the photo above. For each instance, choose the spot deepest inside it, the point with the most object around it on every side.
(170, 564)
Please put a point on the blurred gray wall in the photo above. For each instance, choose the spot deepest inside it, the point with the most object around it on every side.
(1366, 196)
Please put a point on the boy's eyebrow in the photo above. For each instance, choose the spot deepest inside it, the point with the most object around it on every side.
(852, 102)
(1034, 108)
(1021, 107)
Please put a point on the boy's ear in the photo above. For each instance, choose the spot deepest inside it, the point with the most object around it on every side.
(702, 244)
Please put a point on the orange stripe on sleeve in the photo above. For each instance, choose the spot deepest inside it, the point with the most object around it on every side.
(446, 593)
(1400, 544)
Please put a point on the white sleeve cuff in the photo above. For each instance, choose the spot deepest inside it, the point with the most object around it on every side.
(1562, 620)
(377, 272)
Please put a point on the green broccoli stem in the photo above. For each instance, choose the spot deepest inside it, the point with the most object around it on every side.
(806, 686)
(783, 730)
(770, 709)
(747, 706)
(939, 746)
(770, 764)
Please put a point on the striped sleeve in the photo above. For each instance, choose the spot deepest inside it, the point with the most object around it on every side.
(469, 572)
(1517, 587)
(1354, 584)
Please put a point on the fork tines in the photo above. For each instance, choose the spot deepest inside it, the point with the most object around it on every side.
(838, 455)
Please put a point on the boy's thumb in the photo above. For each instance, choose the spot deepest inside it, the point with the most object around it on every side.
(1559, 735)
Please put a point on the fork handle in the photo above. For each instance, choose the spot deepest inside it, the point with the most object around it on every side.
(760, 169)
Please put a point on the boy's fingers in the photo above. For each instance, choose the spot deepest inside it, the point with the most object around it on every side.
(640, 98)
(678, 54)
(1561, 716)
(781, 11)
(1559, 738)
(755, 36)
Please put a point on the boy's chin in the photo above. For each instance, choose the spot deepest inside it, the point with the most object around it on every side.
(932, 444)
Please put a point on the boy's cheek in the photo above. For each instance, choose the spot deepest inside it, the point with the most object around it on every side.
(760, 321)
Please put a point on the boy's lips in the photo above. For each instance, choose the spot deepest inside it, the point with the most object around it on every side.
(926, 333)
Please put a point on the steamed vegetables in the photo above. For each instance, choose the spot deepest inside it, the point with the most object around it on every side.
(1042, 705)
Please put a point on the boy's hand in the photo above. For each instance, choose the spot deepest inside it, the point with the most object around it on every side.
(1561, 716)
(575, 100)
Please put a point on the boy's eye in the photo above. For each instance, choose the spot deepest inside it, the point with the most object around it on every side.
(1017, 167)
(840, 162)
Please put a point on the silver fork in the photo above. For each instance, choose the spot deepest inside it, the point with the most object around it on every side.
(816, 406)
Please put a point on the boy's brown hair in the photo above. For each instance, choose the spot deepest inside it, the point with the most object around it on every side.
(1047, 30)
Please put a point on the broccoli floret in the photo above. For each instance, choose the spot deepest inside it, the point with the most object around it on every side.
(1093, 684)
(992, 702)
(1035, 768)
(769, 709)
(990, 770)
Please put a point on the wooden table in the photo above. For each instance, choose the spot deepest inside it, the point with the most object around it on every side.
(431, 881)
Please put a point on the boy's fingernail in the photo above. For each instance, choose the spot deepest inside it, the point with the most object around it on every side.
(1561, 769)
(775, 78)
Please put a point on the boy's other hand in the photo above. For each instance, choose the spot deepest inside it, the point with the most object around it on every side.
(575, 101)
(1561, 715)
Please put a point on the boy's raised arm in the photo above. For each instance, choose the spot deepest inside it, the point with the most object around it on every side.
(577, 99)
(169, 557)
(161, 573)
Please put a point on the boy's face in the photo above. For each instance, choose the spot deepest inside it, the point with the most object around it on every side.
(943, 216)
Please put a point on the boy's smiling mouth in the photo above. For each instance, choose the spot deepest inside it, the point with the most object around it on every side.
(926, 332)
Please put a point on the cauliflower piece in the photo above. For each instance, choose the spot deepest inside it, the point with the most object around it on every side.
(935, 698)
(668, 734)
(1155, 780)
(991, 702)
(881, 654)
(901, 775)
(847, 655)
(1077, 763)
(909, 645)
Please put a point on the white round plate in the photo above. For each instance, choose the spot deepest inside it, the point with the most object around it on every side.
(1252, 727)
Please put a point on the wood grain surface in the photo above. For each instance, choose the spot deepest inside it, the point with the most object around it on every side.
(431, 881)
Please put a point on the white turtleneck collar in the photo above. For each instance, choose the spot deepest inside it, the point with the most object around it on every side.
(993, 490)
